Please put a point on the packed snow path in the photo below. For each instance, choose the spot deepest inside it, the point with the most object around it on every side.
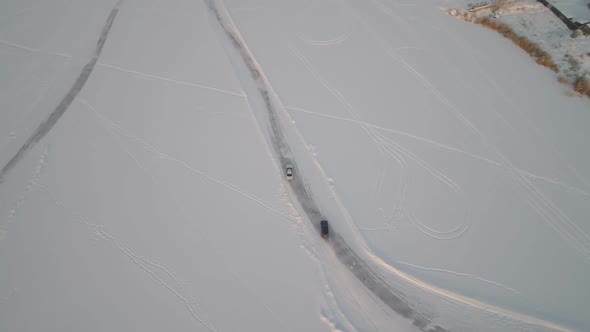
(288, 147)
(302, 192)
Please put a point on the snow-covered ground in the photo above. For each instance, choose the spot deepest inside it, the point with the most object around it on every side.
(533, 20)
(578, 9)
(152, 205)
(452, 166)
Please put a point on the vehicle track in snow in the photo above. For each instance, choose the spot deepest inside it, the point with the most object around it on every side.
(324, 43)
(555, 218)
(284, 155)
(159, 272)
(400, 155)
(67, 100)
(273, 120)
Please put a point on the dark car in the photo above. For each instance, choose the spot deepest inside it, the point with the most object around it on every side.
(324, 230)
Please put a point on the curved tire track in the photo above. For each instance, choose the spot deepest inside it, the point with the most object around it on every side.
(303, 194)
(364, 265)
(67, 100)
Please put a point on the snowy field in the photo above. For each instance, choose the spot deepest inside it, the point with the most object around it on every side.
(536, 22)
(150, 194)
(578, 9)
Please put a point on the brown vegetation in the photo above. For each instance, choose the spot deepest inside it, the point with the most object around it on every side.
(582, 86)
(563, 80)
(533, 49)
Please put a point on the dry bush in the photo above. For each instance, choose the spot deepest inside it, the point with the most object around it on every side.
(563, 80)
(582, 86)
(547, 61)
(533, 49)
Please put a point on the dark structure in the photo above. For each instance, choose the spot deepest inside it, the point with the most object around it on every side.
(571, 24)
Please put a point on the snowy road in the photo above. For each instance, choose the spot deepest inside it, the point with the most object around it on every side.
(288, 147)
(258, 88)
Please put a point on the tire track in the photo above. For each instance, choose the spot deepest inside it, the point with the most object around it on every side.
(398, 154)
(258, 88)
(18, 204)
(570, 232)
(115, 129)
(34, 50)
(323, 43)
(365, 266)
(67, 100)
(161, 274)
(440, 145)
(380, 140)
(170, 80)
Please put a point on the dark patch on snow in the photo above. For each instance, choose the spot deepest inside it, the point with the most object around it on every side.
(67, 100)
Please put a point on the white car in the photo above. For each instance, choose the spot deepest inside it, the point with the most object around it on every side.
(289, 172)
